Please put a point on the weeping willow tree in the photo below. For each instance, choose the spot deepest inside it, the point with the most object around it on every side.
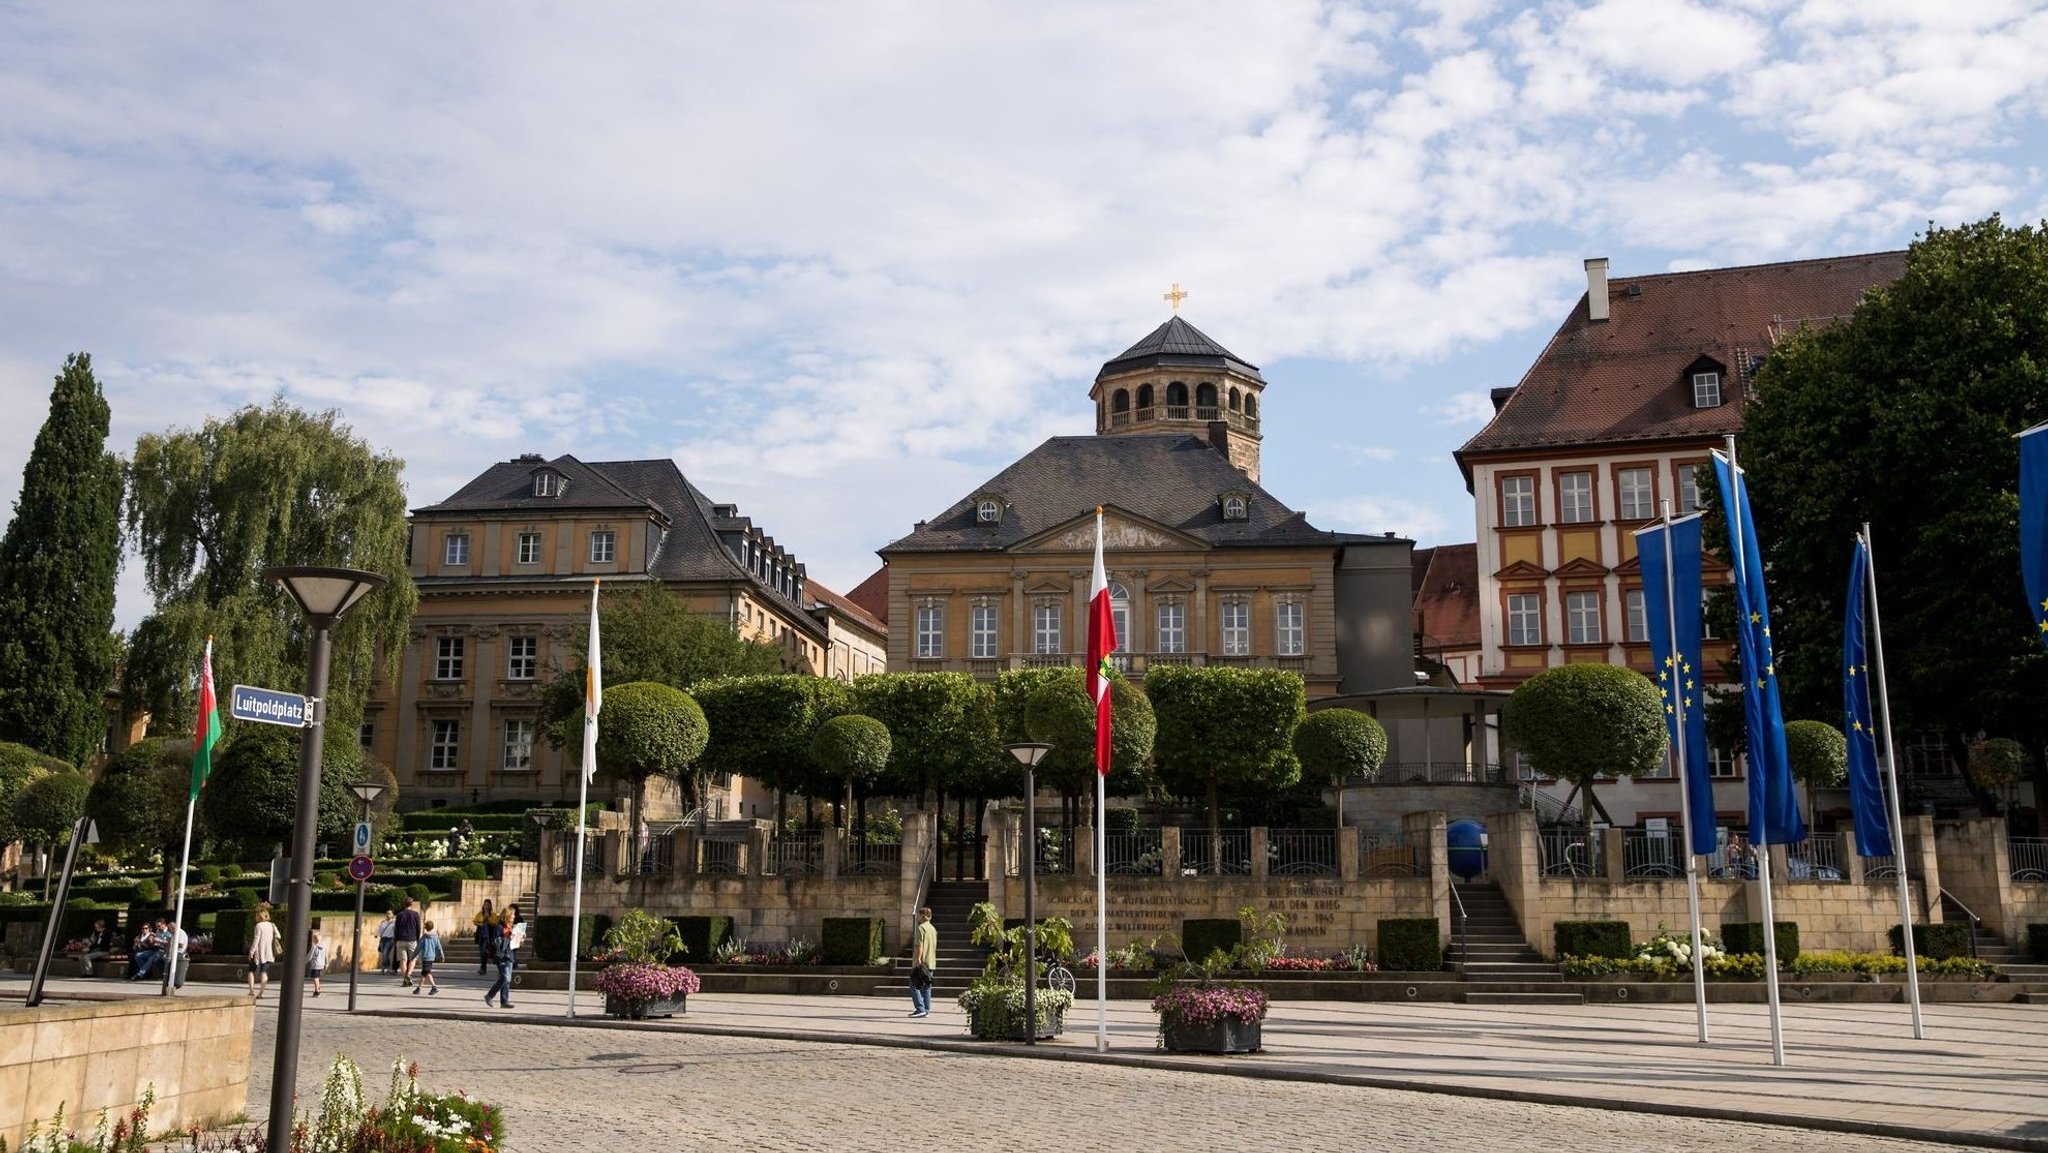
(210, 508)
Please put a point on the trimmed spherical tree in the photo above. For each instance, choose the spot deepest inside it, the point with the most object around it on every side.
(45, 810)
(1338, 743)
(1818, 755)
(1059, 712)
(647, 729)
(137, 801)
(1580, 722)
(19, 766)
(851, 749)
(251, 801)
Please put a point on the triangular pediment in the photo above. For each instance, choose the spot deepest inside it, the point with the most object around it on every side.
(1522, 570)
(1121, 532)
(1169, 585)
(1630, 567)
(1048, 586)
(1581, 567)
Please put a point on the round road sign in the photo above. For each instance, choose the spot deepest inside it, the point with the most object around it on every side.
(360, 868)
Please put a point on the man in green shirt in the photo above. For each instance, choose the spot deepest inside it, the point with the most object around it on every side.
(924, 957)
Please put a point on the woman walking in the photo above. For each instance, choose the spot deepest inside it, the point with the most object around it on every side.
(262, 953)
(504, 953)
(483, 927)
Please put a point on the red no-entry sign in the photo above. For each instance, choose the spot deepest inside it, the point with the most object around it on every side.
(359, 867)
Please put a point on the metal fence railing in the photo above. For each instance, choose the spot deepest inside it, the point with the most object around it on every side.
(1135, 853)
(1387, 855)
(1233, 856)
(872, 859)
(1433, 772)
(2029, 858)
(720, 856)
(1653, 852)
(1302, 852)
(1054, 855)
(657, 851)
(1570, 853)
(796, 855)
(1887, 868)
(1815, 859)
(565, 856)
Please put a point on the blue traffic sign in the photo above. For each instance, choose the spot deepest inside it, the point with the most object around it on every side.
(267, 706)
(360, 868)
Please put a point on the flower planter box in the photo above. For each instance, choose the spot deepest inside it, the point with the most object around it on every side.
(645, 1010)
(988, 1030)
(1223, 1035)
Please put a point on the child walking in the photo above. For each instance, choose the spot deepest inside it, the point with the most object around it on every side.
(316, 961)
(430, 952)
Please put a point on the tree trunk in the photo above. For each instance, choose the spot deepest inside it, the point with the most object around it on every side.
(1215, 829)
(1587, 790)
(781, 810)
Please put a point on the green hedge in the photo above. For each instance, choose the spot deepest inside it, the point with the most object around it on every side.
(1593, 939)
(548, 937)
(1411, 944)
(702, 936)
(1201, 936)
(1748, 937)
(850, 940)
(1937, 942)
(2037, 943)
(151, 911)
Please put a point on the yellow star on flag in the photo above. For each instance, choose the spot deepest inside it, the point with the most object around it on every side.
(1756, 618)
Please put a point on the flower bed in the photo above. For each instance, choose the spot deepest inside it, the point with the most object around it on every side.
(1668, 956)
(1206, 1018)
(639, 989)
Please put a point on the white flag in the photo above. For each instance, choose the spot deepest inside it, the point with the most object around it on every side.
(593, 692)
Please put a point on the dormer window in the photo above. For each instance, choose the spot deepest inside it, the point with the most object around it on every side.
(1706, 389)
(1236, 507)
(988, 508)
(547, 483)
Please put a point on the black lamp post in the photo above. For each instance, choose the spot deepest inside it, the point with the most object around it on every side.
(365, 791)
(1028, 755)
(324, 595)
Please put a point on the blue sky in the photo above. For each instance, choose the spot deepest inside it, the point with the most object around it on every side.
(844, 261)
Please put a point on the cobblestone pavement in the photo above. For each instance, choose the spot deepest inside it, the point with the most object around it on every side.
(609, 1088)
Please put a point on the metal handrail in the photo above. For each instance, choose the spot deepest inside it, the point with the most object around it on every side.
(1975, 920)
(1460, 918)
(924, 875)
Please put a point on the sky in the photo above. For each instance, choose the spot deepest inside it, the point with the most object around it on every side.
(842, 262)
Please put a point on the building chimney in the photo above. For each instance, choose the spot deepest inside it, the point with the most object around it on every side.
(1596, 288)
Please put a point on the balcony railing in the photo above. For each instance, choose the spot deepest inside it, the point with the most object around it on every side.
(1567, 853)
(1145, 415)
(871, 859)
(1120, 419)
(1133, 854)
(1198, 856)
(1434, 773)
(796, 855)
(1387, 855)
(1302, 852)
(1208, 412)
(2029, 858)
(720, 856)
(1653, 852)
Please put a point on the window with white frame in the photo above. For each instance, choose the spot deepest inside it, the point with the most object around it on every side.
(931, 631)
(529, 548)
(981, 630)
(518, 745)
(1721, 762)
(988, 512)
(1638, 620)
(1517, 501)
(603, 547)
(1120, 614)
(448, 658)
(1235, 508)
(1574, 497)
(1525, 619)
(1290, 635)
(543, 484)
(444, 750)
(1688, 489)
(1582, 617)
(1237, 628)
(455, 550)
(1638, 497)
(522, 658)
(1706, 390)
(1046, 636)
(1171, 616)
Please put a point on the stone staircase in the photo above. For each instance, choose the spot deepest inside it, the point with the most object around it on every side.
(1496, 960)
(2011, 961)
(960, 960)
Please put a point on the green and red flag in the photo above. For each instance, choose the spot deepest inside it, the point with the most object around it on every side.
(207, 734)
(1101, 643)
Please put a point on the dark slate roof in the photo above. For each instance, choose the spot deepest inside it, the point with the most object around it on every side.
(1175, 481)
(1623, 379)
(1178, 343)
(508, 487)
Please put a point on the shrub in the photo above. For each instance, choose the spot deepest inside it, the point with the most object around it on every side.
(1411, 944)
(246, 898)
(1201, 936)
(419, 892)
(1593, 939)
(702, 936)
(209, 874)
(850, 940)
(476, 871)
(550, 936)
(1748, 937)
(1937, 942)
(148, 891)
(230, 871)
(2037, 943)
(232, 929)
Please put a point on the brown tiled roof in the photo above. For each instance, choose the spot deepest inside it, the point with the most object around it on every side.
(1447, 599)
(846, 606)
(1625, 379)
(872, 594)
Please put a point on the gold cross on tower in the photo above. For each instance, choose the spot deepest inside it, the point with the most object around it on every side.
(1174, 296)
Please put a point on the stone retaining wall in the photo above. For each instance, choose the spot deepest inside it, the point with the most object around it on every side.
(89, 1055)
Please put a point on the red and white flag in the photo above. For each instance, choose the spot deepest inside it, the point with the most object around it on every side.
(1101, 643)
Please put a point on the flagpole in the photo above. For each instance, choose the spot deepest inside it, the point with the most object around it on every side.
(1101, 861)
(1763, 859)
(1891, 775)
(1692, 870)
(592, 678)
(185, 859)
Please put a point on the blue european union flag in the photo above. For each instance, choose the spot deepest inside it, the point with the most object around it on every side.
(2034, 523)
(1866, 788)
(1774, 817)
(1675, 651)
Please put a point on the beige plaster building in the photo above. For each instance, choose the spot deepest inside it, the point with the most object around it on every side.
(504, 569)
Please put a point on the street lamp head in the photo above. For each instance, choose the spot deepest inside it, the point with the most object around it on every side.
(1028, 753)
(366, 791)
(324, 594)
(540, 817)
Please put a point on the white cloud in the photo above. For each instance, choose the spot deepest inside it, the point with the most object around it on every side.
(1462, 408)
(1425, 524)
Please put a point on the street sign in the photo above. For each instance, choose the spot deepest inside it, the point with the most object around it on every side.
(362, 843)
(267, 706)
(359, 867)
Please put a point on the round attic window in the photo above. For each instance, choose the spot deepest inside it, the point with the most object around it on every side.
(988, 512)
